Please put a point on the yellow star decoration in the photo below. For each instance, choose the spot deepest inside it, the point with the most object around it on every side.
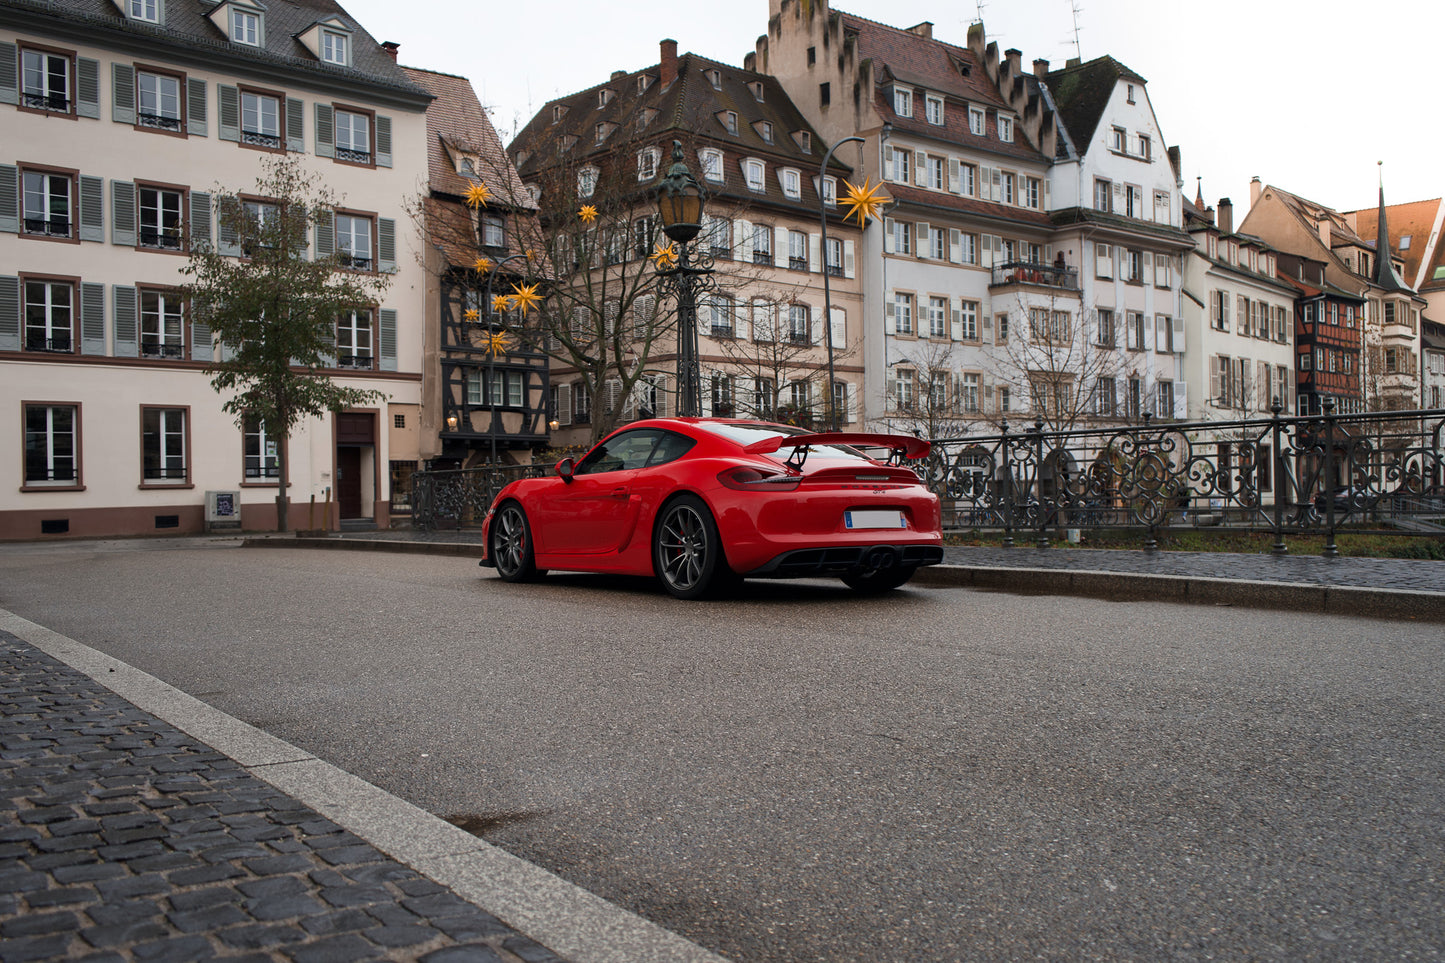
(588, 213)
(482, 265)
(477, 196)
(665, 256)
(525, 297)
(863, 201)
(471, 314)
(497, 343)
(501, 302)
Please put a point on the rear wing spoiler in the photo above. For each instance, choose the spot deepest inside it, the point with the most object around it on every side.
(906, 445)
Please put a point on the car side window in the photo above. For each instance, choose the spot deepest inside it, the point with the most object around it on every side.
(620, 453)
(670, 447)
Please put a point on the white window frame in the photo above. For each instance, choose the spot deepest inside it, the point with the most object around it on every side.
(711, 161)
(903, 101)
(933, 109)
(245, 27)
(792, 183)
(1005, 129)
(62, 469)
(164, 438)
(755, 175)
(976, 121)
(335, 47)
(162, 324)
(647, 160)
(352, 135)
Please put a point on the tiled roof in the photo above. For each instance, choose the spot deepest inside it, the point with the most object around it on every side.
(919, 197)
(1310, 213)
(188, 28)
(941, 68)
(457, 121)
(685, 110)
(1081, 93)
(1414, 220)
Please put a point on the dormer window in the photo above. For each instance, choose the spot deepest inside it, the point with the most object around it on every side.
(146, 11)
(757, 88)
(975, 121)
(604, 97)
(714, 77)
(765, 131)
(567, 143)
(245, 27)
(934, 110)
(558, 112)
(647, 164)
(756, 174)
(335, 48)
(602, 130)
(792, 183)
(804, 141)
(644, 117)
(643, 82)
(711, 161)
(1131, 92)
(729, 120)
(903, 101)
(1006, 129)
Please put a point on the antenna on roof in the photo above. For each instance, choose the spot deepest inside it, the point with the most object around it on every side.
(979, 5)
(1078, 51)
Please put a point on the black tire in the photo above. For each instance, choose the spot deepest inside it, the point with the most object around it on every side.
(511, 545)
(880, 580)
(687, 553)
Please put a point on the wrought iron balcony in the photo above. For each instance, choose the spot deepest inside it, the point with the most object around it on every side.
(48, 226)
(60, 344)
(256, 138)
(153, 349)
(56, 102)
(1035, 273)
(158, 122)
(164, 239)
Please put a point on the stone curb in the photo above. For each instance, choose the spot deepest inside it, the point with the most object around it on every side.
(569, 920)
(1196, 590)
(1377, 603)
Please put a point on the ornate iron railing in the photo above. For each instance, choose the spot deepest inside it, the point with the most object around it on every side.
(460, 498)
(1382, 471)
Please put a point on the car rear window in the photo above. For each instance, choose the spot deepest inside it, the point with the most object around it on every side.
(744, 433)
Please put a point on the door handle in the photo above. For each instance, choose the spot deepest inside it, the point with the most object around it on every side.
(619, 492)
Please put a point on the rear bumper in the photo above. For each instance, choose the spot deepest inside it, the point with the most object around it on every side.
(846, 560)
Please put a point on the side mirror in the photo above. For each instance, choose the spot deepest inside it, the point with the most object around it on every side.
(565, 468)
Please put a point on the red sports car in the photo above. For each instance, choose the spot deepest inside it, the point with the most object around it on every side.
(700, 502)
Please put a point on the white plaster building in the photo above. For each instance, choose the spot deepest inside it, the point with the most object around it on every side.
(119, 123)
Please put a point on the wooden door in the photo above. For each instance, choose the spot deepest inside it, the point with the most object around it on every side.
(348, 482)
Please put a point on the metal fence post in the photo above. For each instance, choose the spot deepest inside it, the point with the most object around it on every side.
(1008, 489)
(1328, 488)
(1043, 519)
(1276, 430)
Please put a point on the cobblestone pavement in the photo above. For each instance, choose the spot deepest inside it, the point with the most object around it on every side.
(122, 838)
(1389, 573)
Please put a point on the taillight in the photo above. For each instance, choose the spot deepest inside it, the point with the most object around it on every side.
(744, 479)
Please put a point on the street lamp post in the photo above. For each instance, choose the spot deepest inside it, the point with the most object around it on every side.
(827, 293)
(679, 206)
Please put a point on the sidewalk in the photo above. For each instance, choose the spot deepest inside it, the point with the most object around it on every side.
(125, 836)
(1374, 587)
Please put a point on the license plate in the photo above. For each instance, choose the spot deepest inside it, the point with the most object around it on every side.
(873, 520)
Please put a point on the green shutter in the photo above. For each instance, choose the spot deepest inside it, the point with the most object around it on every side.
(9, 73)
(295, 125)
(92, 208)
(127, 333)
(383, 141)
(228, 104)
(122, 213)
(122, 87)
(87, 83)
(386, 339)
(200, 219)
(92, 318)
(196, 124)
(9, 313)
(386, 245)
(9, 198)
(325, 131)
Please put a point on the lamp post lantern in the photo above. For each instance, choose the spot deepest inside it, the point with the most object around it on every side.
(680, 201)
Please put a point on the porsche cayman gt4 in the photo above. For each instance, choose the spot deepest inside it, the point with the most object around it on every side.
(702, 502)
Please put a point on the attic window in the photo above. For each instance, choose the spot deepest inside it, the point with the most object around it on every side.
(1405, 242)
(558, 112)
(903, 101)
(602, 130)
(147, 11)
(714, 77)
(765, 131)
(757, 88)
(246, 27)
(804, 140)
(568, 142)
(643, 82)
(603, 97)
(644, 117)
(335, 48)
(1131, 93)
(729, 119)
(467, 166)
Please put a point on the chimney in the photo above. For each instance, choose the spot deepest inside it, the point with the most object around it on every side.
(1041, 67)
(1226, 215)
(924, 30)
(1255, 189)
(1071, 63)
(668, 67)
(1176, 161)
(390, 48)
(616, 76)
(1015, 59)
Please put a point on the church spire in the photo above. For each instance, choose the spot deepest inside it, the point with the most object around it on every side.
(1385, 275)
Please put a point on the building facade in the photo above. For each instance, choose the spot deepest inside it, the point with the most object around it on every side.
(121, 122)
(769, 329)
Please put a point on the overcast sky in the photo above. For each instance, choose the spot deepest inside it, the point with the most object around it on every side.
(1309, 96)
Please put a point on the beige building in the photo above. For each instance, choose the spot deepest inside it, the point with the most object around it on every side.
(121, 122)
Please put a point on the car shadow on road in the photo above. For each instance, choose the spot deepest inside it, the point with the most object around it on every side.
(766, 591)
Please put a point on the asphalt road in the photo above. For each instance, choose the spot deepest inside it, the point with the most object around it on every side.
(803, 775)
